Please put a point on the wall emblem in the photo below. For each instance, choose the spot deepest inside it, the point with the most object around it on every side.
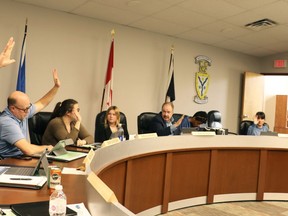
(202, 79)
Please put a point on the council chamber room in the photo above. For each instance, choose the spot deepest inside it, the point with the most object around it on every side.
(143, 108)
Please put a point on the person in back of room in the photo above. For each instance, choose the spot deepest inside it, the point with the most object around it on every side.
(199, 119)
(111, 127)
(5, 55)
(164, 124)
(14, 136)
(66, 123)
(258, 126)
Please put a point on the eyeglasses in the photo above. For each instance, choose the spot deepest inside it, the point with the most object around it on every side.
(25, 109)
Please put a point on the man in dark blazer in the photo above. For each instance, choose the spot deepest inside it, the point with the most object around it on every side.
(163, 123)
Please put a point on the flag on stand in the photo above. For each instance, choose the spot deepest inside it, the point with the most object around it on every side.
(21, 81)
(170, 95)
(108, 89)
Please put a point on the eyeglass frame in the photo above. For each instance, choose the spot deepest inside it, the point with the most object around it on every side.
(25, 109)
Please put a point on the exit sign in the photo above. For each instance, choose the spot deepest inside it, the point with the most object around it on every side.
(280, 63)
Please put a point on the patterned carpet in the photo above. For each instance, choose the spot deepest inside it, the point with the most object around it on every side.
(235, 209)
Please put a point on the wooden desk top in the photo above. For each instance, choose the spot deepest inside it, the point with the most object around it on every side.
(73, 185)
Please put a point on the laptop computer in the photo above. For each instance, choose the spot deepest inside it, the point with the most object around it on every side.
(25, 177)
(268, 133)
(28, 171)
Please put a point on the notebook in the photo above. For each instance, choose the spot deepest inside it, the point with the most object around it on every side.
(36, 209)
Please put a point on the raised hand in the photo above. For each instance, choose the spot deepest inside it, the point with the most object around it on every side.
(5, 55)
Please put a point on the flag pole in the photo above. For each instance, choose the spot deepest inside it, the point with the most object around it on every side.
(103, 94)
(167, 97)
(21, 80)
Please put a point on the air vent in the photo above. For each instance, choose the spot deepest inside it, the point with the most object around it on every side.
(261, 24)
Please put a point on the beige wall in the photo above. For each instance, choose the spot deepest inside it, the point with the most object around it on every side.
(78, 47)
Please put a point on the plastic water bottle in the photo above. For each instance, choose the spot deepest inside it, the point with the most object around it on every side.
(58, 202)
(121, 132)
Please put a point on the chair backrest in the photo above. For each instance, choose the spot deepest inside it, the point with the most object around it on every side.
(244, 125)
(100, 120)
(37, 126)
(144, 120)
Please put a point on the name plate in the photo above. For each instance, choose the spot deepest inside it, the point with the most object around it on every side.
(148, 135)
(203, 133)
(110, 142)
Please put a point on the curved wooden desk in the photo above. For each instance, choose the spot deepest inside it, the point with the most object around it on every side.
(152, 176)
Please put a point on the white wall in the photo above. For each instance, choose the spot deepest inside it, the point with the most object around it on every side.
(78, 47)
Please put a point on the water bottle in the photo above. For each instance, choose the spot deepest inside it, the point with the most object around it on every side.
(58, 202)
(121, 132)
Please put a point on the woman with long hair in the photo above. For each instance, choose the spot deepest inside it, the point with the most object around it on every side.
(112, 127)
(66, 123)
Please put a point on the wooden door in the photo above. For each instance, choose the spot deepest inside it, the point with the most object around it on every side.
(280, 125)
(253, 95)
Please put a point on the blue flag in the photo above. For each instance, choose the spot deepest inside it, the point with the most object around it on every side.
(21, 81)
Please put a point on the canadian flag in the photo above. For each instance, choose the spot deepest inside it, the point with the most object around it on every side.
(108, 89)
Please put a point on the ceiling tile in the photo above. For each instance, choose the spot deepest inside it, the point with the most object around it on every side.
(224, 29)
(63, 5)
(202, 37)
(160, 26)
(207, 8)
(106, 13)
(182, 16)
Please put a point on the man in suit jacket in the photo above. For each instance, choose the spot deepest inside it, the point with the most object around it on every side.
(163, 123)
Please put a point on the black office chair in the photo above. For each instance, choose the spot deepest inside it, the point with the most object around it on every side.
(214, 119)
(144, 121)
(244, 125)
(37, 126)
(100, 120)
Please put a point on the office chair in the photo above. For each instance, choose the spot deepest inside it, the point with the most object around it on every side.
(37, 126)
(144, 121)
(100, 121)
(214, 119)
(245, 124)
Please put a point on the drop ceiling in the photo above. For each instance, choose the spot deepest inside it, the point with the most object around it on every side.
(219, 23)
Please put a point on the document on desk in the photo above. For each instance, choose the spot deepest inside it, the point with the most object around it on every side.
(80, 209)
(30, 182)
(69, 156)
(74, 171)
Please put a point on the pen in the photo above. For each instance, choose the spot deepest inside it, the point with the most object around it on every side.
(20, 179)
